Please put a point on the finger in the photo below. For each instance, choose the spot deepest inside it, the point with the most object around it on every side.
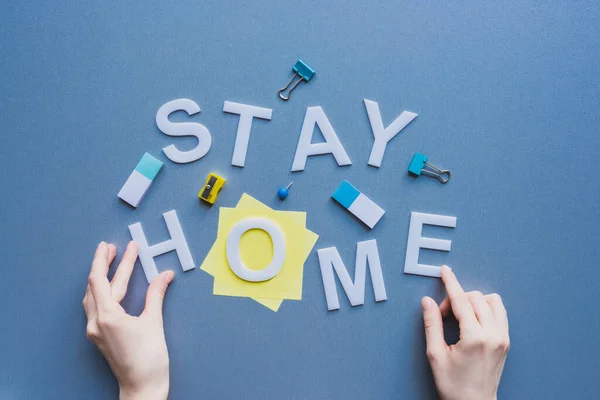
(482, 310)
(156, 293)
(112, 252)
(434, 329)
(461, 306)
(98, 282)
(89, 305)
(497, 306)
(123, 274)
(445, 307)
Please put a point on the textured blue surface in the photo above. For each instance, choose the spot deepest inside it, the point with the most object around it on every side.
(507, 97)
(149, 166)
(345, 194)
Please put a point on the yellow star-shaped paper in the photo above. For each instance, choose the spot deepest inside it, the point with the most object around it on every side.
(256, 251)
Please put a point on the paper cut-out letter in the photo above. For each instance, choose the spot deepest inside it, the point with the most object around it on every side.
(416, 242)
(183, 129)
(383, 135)
(332, 145)
(234, 258)
(177, 243)
(246, 113)
(366, 252)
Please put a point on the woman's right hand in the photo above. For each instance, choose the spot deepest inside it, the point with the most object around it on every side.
(470, 369)
(134, 347)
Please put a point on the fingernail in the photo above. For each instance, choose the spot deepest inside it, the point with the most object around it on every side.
(102, 243)
(130, 245)
(168, 276)
(426, 303)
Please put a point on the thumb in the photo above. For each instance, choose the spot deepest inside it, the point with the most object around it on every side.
(156, 292)
(434, 329)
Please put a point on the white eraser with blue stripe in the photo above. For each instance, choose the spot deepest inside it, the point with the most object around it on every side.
(139, 181)
(358, 204)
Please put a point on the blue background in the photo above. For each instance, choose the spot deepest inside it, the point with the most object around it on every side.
(507, 97)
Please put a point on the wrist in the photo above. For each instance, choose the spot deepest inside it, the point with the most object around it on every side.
(467, 396)
(158, 391)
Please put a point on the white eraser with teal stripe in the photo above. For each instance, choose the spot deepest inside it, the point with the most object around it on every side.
(149, 166)
(139, 181)
(358, 204)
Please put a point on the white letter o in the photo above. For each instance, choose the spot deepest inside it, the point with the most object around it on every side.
(234, 258)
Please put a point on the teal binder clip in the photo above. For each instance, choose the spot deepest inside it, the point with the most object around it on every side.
(302, 70)
(418, 164)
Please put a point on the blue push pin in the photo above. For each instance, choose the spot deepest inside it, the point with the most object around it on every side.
(283, 192)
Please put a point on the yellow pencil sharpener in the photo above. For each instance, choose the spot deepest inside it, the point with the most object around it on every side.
(211, 188)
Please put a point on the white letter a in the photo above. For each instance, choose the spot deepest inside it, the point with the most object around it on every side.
(332, 145)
